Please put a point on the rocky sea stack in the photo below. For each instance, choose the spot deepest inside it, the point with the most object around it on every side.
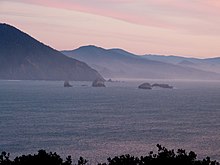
(145, 86)
(162, 85)
(156, 85)
(98, 83)
(67, 84)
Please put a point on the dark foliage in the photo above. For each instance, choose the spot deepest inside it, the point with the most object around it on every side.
(162, 157)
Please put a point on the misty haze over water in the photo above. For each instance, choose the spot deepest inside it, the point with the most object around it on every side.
(101, 122)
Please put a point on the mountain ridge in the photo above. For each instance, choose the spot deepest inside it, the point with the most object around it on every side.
(22, 57)
(206, 64)
(122, 64)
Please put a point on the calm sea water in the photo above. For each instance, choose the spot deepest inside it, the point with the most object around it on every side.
(100, 122)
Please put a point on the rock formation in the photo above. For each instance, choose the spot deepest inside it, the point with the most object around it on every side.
(67, 84)
(145, 86)
(149, 86)
(98, 83)
(109, 80)
(162, 85)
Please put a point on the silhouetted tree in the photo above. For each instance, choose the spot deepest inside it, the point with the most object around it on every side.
(82, 161)
(162, 157)
(124, 160)
(4, 159)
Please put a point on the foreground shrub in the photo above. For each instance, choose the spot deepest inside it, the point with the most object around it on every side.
(162, 157)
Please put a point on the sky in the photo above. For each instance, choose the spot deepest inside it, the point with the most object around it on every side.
(189, 28)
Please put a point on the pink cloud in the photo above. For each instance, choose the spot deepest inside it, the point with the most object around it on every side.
(159, 13)
(109, 8)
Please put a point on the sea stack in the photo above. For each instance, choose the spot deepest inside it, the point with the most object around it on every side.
(145, 86)
(110, 80)
(98, 83)
(67, 84)
(162, 86)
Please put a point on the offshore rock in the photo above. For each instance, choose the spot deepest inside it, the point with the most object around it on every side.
(98, 83)
(145, 86)
(67, 84)
(162, 86)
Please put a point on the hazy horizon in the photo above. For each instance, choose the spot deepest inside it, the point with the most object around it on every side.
(174, 27)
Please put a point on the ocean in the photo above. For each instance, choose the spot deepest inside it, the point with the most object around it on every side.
(98, 123)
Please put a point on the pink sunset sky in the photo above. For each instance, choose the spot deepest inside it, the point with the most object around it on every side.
(169, 27)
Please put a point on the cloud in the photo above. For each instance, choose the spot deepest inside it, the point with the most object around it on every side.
(161, 26)
(188, 16)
